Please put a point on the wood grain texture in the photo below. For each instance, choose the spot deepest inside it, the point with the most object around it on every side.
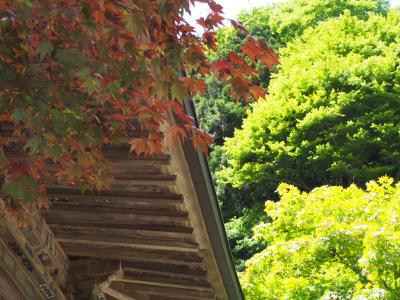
(145, 224)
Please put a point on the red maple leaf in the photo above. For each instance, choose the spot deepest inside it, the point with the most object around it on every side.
(239, 26)
(201, 140)
(18, 170)
(139, 146)
(175, 132)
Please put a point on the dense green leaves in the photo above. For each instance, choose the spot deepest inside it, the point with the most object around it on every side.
(217, 113)
(331, 243)
(332, 113)
(240, 234)
(290, 19)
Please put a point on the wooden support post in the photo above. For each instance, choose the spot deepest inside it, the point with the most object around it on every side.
(102, 289)
(17, 256)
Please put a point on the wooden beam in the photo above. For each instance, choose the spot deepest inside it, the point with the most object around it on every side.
(117, 157)
(119, 170)
(109, 208)
(15, 247)
(132, 254)
(73, 217)
(178, 293)
(181, 236)
(131, 276)
(187, 271)
(125, 227)
(13, 266)
(73, 190)
(104, 287)
(156, 178)
(116, 294)
(150, 244)
(123, 155)
(176, 297)
(147, 211)
(89, 268)
(115, 201)
(186, 185)
(43, 242)
(122, 187)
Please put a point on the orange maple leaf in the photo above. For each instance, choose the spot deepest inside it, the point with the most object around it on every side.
(139, 146)
(175, 132)
(99, 16)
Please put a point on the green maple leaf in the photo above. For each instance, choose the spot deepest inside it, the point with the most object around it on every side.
(90, 85)
(20, 115)
(136, 23)
(3, 159)
(45, 48)
(13, 189)
(34, 144)
(70, 57)
(178, 91)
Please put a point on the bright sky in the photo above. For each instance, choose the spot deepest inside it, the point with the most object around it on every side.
(233, 7)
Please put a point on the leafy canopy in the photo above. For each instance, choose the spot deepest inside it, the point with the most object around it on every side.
(239, 231)
(289, 19)
(78, 75)
(282, 22)
(220, 115)
(266, 23)
(332, 113)
(330, 243)
(217, 112)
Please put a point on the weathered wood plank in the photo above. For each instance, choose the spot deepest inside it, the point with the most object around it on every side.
(115, 155)
(13, 240)
(87, 268)
(115, 201)
(176, 297)
(132, 254)
(136, 227)
(109, 208)
(105, 219)
(73, 190)
(159, 244)
(123, 205)
(116, 294)
(91, 268)
(167, 291)
(165, 268)
(125, 233)
(131, 276)
(122, 187)
(159, 178)
(118, 158)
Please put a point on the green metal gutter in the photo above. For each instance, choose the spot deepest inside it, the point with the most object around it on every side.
(200, 172)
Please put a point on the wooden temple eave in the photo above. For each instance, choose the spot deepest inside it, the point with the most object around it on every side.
(32, 258)
(148, 228)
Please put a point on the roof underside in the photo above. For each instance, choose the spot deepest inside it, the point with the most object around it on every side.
(156, 234)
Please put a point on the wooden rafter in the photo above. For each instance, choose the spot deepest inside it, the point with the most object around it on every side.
(148, 223)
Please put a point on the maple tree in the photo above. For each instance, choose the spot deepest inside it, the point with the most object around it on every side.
(77, 75)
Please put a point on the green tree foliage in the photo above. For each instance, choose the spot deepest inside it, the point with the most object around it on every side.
(240, 235)
(331, 243)
(277, 24)
(257, 22)
(216, 112)
(332, 113)
(282, 22)
(289, 19)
